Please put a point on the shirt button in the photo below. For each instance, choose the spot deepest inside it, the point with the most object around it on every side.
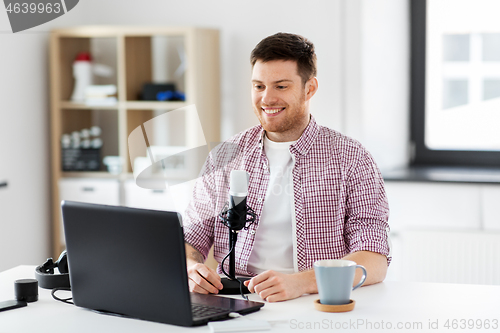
(252, 232)
(242, 265)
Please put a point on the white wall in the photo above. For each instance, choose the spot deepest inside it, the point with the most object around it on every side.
(362, 87)
(24, 146)
(377, 70)
(24, 143)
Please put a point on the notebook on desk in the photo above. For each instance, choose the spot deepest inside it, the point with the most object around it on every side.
(132, 262)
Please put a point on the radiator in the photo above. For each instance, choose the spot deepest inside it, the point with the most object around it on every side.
(443, 256)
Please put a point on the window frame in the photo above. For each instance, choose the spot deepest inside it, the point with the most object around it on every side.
(420, 154)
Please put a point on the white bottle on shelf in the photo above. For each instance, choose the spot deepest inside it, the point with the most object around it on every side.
(82, 72)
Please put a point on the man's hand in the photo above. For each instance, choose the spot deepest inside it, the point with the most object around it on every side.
(272, 286)
(203, 279)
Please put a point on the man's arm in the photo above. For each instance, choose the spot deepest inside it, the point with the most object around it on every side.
(367, 216)
(374, 263)
(202, 279)
(274, 287)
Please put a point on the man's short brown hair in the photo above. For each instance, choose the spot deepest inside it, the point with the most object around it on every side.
(286, 46)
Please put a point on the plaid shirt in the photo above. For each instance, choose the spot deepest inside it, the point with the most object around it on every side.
(340, 201)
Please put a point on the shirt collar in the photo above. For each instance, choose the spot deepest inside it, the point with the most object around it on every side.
(303, 143)
(307, 138)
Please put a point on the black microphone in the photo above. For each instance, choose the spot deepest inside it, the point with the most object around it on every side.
(236, 213)
(235, 216)
(238, 191)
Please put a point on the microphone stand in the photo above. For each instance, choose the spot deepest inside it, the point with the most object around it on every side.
(231, 284)
(233, 237)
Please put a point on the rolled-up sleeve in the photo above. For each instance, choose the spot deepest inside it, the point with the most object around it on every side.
(366, 225)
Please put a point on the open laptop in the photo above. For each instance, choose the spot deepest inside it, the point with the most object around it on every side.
(132, 262)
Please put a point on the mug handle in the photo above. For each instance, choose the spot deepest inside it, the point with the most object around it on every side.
(363, 278)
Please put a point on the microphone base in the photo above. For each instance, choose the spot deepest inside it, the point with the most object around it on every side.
(232, 287)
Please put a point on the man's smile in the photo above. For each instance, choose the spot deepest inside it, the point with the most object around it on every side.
(272, 111)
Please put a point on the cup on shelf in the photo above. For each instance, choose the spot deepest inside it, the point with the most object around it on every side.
(96, 143)
(75, 143)
(85, 144)
(95, 131)
(114, 164)
(66, 141)
(85, 133)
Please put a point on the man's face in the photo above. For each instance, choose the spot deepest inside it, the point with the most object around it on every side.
(280, 100)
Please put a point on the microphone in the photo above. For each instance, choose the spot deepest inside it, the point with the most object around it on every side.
(238, 191)
(235, 215)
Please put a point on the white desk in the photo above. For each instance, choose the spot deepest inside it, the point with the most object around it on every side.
(386, 304)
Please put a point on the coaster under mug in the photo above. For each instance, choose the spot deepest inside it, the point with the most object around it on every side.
(334, 308)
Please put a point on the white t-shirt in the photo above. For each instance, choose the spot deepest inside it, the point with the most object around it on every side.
(274, 239)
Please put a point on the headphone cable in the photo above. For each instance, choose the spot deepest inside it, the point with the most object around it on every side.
(64, 300)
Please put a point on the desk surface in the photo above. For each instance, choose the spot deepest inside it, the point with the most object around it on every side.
(395, 306)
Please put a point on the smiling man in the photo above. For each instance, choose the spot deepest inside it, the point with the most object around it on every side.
(317, 193)
(281, 99)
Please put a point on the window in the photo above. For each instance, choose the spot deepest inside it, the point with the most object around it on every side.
(455, 80)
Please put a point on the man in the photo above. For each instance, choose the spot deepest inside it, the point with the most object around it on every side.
(317, 194)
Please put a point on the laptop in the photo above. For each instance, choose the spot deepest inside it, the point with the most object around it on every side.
(132, 262)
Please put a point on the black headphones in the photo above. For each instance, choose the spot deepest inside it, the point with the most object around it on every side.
(45, 273)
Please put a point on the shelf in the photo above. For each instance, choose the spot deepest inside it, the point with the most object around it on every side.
(131, 105)
(187, 57)
(81, 106)
(152, 105)
(112, 31)
(89, 174)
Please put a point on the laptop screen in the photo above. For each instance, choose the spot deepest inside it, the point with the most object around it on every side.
(128, 261)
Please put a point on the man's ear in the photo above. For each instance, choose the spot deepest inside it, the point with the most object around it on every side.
(311, 87)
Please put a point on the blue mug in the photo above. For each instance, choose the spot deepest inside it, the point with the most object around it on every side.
(335, 279)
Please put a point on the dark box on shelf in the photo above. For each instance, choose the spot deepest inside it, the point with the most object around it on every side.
(150, 90)
(79, 159)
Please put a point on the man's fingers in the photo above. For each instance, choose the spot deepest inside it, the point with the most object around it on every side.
(249, 284)
(270, 290)
(203, 283)
(211, 276)
(264, 288)
(271, 286)
(193, 287)
(276, 298)
(203, 279)
(257, 280)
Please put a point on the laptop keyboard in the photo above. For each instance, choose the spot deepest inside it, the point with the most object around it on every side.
(202, 311)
